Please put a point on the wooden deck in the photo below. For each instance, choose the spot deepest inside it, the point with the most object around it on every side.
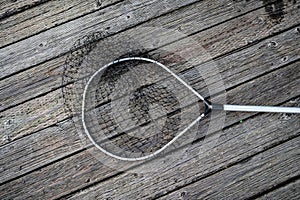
(255, 45)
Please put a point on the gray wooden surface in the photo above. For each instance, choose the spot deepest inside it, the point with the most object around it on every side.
(255, 45)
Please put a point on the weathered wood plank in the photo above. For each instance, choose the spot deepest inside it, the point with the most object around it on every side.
(246, 179)
(29, 53)
(278, 60)
(48, 145)
(13, 92)
(31, 83)
(10, 7)
(188, 168)
(27, 23)
(236, 137)
(35, 124)
(290, 191)
(44, 17)
(262, 59)
(47, 110)
(61, 150)
(51, 143)
(59, 40)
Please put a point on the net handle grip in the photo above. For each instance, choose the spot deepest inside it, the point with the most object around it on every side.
(247, 108)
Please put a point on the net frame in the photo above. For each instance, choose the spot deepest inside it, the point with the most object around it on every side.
(207, 104)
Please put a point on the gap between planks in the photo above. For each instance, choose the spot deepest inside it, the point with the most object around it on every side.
(58, 61)
(100, 187)
(12, 7)
(233, 118)
(243, 54)
(52, 13)
(60, 50)
(231, 60)
(289, 190)
(239, 177)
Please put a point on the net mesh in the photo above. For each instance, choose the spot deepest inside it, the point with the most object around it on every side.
(132, 116)
(133, 108)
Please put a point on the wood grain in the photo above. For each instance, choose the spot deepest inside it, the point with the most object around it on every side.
(11, 7)
(28, 125)
(246, 179)
(30, 53)
(59, 40)
(44, 17)
(253, 43)
(286, 124)
(52, 76)
(236, 69)
(46, 76)
(289, 191)
(48, 73)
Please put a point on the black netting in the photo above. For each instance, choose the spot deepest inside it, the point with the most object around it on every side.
(132, 108)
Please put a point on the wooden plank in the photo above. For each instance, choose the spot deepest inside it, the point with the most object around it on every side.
(36, 163)
(262, 59)
(26, 119)
(48, 73)
(289, 191)
(27, 23)
(278, 60)
(189, 167)
(237, 143)
(10, 7)
(28, 125)
(246, 179)
(44, 17)
(33, 83)
(51, 143)
(58, 40)
(14, 93)
(48, 145)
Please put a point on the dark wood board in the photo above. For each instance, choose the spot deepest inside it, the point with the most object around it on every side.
(255, 46)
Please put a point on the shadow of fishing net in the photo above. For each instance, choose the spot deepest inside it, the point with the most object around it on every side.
(134, 108)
